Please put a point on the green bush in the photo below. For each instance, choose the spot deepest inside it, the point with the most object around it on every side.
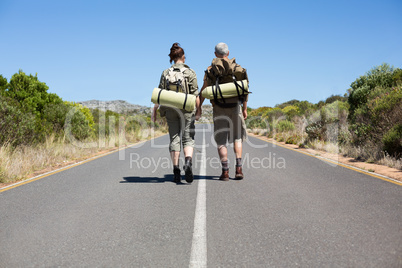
(315, 130)
(274, 114)
(16, 126)
(293, 139)
(89, 119)
(291, 111)
(379, 76)
(259, 111)
(77, 124)
(304, 107)
(334, 98)
(54, 116)
(3, 84)
(285, 125)
(103, 121)
(29, 92)
(256, 122)
(392, 141)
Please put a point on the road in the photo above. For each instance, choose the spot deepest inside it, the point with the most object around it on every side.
(122, 210)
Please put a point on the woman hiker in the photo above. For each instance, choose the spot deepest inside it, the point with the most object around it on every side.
(181, 78)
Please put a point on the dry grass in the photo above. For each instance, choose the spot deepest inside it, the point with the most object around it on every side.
(259, 131)
(329, 147)
(391, 162)
(368, 153)
(18, 163)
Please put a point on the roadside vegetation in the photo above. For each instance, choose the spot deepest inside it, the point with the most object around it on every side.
(365, 123)
(39, 130)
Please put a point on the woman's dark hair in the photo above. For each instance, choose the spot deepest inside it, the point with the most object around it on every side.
(176, 52)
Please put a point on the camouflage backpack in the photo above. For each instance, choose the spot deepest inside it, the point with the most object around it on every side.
(225, 71)
(176, 81)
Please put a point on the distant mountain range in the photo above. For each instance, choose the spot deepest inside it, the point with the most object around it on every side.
(118, 106)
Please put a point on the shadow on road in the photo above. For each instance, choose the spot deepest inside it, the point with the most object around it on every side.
(166, 178)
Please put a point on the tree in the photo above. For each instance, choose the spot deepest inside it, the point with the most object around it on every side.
(288, 103)
(16, 126)
(334, 98)
(3, 84)
(29, 92)
(379, 76)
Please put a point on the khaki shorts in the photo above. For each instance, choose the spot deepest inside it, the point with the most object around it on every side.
(229, 125)
(181, 127)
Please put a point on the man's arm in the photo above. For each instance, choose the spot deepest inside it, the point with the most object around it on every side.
(155, 112)
(244, 110)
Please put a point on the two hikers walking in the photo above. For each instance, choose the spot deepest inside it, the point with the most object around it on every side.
(228, 113)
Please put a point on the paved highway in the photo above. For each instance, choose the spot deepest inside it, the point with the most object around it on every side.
(122, 210)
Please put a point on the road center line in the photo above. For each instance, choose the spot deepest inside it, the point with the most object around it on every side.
(199, 245)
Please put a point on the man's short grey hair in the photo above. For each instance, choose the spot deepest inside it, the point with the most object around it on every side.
(222, 49)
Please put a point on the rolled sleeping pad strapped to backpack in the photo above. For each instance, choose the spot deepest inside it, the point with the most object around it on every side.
(173, 99)
(227, 90)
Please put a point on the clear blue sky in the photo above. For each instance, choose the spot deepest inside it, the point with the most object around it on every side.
(109, 50)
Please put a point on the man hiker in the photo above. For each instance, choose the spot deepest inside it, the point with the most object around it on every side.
(229, 113)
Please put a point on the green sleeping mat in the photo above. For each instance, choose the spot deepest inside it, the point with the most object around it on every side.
(174, 99)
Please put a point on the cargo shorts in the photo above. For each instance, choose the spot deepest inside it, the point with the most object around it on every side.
(181, 128)
(229, 125)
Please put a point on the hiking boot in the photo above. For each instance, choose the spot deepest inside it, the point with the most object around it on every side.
(188, 169)
(177, 176)
(224, 176)
(239, 173)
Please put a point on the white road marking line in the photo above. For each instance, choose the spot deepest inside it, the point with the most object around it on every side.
(199, 246)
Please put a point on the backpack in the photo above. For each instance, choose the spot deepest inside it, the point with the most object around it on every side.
(175, 80)
(226, 71)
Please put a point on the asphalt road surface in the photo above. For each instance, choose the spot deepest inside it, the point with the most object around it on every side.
(123, 210)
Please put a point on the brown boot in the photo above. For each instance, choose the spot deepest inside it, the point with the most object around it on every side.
(225, 175)
(239, 173)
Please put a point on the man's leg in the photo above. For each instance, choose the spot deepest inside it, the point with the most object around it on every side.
(238, 149)
(221, 134)
(223, 155)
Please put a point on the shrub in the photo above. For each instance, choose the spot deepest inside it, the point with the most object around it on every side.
(54, 116)
(254, 122)
(259, 111)
(379, 76)
(305, 108)
(293, 139)
(392, 141)
(29, 92)
(274, 114)
(77, 122)
(3, 84)
(16, 127)
(285, 125)
(85, 111)
(334, 98)
(315, 130)
(291, 111)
